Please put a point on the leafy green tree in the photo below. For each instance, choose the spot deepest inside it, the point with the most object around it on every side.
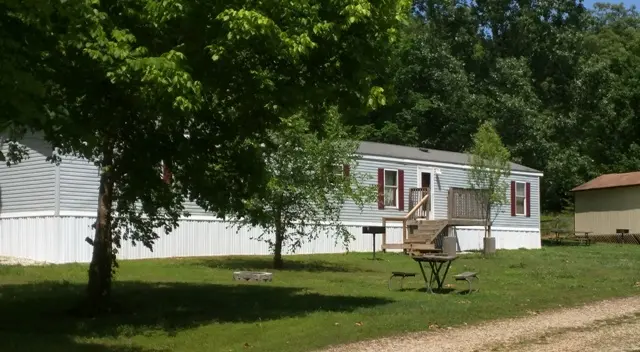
(193, 86)
(490, 168)
(520, 64)
(311, 177)
(126, 108)
(434, 103)
(25, 45)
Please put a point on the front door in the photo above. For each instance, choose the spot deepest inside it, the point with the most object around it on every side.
(425, 179)
(424, 182)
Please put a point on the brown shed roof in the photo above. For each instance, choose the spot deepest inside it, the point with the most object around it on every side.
(610, 181)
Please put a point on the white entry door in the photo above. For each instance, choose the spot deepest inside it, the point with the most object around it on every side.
(425, 180)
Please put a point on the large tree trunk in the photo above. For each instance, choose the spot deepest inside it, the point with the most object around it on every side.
(277, 248)
(100, 269)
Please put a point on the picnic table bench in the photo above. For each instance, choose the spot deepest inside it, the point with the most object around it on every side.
(401, 275)
(436, 262)
(582, 237)
(467, 276)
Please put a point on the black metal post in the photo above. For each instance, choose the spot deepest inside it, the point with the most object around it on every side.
(374, 245)
(373, 230)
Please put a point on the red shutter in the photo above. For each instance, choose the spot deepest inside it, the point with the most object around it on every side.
(380, 188)
(345, 170)
(401, 190)
(513, 198)
(528, 199)
(166, 174)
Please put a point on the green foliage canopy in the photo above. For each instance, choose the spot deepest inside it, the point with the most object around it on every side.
(490, 169)
(310, 180)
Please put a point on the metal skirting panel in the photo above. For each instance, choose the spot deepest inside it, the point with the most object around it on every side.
(470, 238)
(30, 237)
(62, 240)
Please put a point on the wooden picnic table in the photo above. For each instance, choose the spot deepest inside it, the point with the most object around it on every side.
(436, 262)
(580, 236)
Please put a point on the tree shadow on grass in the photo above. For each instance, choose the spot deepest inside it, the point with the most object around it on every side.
(60, 343)
(263, 263)
(167, 307)
(439, 291)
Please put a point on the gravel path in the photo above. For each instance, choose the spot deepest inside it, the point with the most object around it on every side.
(607, 326)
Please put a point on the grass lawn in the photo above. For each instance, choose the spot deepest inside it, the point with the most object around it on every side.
(193, 304)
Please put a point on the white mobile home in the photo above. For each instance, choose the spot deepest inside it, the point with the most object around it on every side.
(46, 211)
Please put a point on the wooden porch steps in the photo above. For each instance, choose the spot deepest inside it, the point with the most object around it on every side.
(422, 234)
(421, 237)
(393, 246)
(415, 248)
(426, 231)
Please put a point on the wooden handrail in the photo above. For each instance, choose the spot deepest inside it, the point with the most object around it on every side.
(415, 195)
(404, 219)
(420, 203)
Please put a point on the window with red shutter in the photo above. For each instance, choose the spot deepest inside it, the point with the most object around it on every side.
(521, 198)
(400, 189)
(380, 188)
(513, 198)
(391, 189)
(528, 199)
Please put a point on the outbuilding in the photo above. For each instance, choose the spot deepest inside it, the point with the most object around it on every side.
(608, 204)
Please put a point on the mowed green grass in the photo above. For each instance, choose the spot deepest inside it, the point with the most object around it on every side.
(193, 305)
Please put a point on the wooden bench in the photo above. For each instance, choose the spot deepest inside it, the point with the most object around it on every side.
(467, 276)
(401, 275)
(583, 239)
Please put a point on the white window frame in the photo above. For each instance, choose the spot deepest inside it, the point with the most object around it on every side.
(337, 172)
(524, 198)
(397, 186)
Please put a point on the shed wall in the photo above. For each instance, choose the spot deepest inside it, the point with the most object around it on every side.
(603, 211)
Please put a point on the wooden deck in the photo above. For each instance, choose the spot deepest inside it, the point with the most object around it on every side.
(420, 235)
(465, 222)
(451, 222)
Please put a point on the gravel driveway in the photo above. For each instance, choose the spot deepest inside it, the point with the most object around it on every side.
(607, 326)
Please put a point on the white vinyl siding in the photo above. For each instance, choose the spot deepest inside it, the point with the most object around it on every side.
(30, 185)
(449, 177)
(79, 183)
